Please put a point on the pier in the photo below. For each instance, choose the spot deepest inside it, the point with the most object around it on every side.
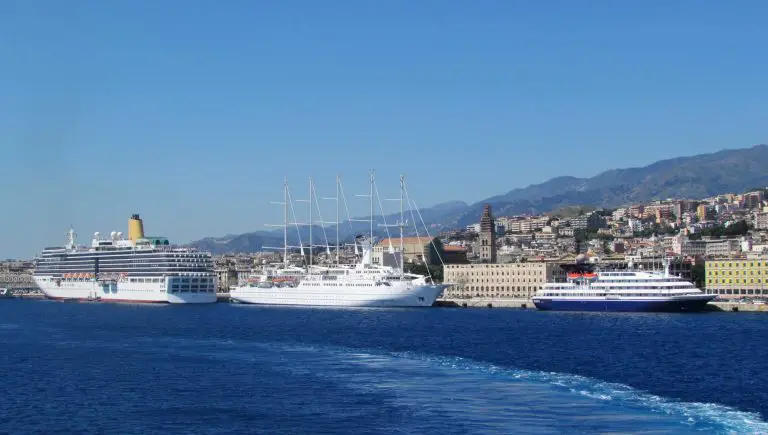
(738, 307)
(525, 304)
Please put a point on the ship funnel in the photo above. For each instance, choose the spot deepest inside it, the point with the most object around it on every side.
(135, 228)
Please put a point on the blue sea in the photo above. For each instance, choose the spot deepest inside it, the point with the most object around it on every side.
(235, 369)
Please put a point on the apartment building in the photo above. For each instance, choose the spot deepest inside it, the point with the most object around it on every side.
(710, 248)
(737, 278)
(510, 280)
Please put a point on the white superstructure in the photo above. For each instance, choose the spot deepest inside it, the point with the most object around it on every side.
(136, 269)
(364, 285)
(361, 285)
(628, 290)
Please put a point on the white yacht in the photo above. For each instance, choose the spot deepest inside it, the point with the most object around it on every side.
(628, 290)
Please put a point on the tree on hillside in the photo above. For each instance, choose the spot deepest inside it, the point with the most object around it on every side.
(697, 273)
(435, 252)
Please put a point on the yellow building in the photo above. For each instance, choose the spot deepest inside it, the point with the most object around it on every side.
(506, 280)
(414, 249)
(737, 278)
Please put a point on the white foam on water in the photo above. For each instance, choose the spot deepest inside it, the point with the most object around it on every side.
(700, 417)
(722, 419)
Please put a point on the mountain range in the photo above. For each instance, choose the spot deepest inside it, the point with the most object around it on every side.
(693, 177)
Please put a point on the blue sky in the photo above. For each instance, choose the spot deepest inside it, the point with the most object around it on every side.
(192, 112)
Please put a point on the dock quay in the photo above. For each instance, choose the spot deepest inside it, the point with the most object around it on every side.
(738, 306)
(525, 304)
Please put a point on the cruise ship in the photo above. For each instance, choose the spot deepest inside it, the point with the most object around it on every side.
(134, 269)
(363, 284)
(628, 290)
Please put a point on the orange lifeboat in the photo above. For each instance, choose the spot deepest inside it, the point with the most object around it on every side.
(590, 275)
(574, 275)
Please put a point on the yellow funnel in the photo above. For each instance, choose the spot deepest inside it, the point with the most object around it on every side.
(135, 228)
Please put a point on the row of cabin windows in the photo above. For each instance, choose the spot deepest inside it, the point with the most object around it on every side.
(193, 289)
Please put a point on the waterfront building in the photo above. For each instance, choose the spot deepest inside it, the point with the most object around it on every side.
(735, 278)
(509, 280)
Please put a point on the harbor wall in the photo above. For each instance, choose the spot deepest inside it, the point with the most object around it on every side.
(525, 304)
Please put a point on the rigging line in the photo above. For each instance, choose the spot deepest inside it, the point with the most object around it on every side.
(383, 218)
(320, 215)
(295, 222)
(415, 227)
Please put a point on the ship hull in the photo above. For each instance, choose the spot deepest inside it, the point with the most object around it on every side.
(412, 296)
(666, 305)
(119, 292)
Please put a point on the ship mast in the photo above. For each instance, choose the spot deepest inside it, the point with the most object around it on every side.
(285, 222)
(311, 188)
(401, 224)
(371, 216)
(338, 184)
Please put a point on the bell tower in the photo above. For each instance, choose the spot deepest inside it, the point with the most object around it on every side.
(487, 237)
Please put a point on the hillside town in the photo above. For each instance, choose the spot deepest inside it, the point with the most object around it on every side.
(720, 243)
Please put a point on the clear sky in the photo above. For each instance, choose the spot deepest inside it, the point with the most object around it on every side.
(192, 112)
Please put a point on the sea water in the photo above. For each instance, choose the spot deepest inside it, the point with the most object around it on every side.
(137, 369)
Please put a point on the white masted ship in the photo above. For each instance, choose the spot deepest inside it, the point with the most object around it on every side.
(136, 269)
(363, 284)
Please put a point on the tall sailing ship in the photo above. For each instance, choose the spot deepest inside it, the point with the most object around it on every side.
(363, 284)
(136, 269)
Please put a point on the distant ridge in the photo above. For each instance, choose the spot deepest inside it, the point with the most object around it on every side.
(699, 176)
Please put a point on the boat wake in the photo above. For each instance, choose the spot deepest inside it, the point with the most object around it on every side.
(701, 416)
(493, 397)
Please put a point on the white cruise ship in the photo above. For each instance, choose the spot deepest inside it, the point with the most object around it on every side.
(364, 284)
(629, 290)
(136, 269)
